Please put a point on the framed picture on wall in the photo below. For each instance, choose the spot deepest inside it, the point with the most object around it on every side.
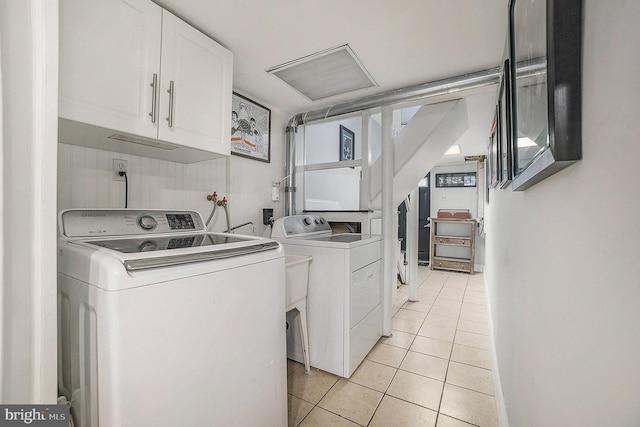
(546, 87)
(504, 106)
(250, 129)
(495, 168)
(346, 144)
(452, 180)
(487, 179)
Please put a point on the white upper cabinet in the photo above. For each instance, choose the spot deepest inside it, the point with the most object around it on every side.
(195, 95)
(109, 52)
(131, 71)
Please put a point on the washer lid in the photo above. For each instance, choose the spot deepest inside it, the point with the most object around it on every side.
(154, 251)
(342, 238)
(163, 243)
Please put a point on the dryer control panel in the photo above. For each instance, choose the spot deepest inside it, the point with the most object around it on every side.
(300, 225)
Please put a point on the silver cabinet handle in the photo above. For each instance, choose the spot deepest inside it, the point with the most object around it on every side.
(170, 116)
(154, 85)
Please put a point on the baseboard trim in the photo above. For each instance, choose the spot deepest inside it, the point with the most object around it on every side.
(501, 409)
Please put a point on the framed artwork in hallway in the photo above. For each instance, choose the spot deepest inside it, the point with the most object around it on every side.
(504, 107)
(546, 87)
(250, 129)
(494, 151)
(346, 144)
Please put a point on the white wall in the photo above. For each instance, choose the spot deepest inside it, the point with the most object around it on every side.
(454, 198)
(29, 75)
(562, 265)
(331, 189)
(250, 181)
(85, 180)
(322, 140)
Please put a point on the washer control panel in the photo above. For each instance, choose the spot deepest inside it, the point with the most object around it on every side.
(181, 221)
(127, 222)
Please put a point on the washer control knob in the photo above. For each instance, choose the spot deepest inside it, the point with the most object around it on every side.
(147, 222)
(307, 220)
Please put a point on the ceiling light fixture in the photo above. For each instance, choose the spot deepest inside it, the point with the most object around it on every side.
(323, 74)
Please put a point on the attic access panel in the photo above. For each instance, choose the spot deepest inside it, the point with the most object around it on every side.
(328, 73)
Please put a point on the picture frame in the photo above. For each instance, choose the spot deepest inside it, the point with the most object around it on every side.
(506, 140)
(456, 180)
(487, 179)
(545, 43)
(250, 129)
(347, 146)
(494, 156)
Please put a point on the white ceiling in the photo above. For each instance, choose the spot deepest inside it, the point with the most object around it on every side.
(401, 42)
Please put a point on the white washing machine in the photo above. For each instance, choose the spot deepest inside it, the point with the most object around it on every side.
(344, 297)
(164, 324)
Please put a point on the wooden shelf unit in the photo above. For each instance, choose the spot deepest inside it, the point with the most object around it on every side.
(458, 233)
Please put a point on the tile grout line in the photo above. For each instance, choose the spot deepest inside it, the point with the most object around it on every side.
(449, 363)
(383, 393)
(451, 353)
(444, 382)
(414, 337)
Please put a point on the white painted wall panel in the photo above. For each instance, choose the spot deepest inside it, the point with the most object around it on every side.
(456, 197)
(562, 257)
(29, 75)
(85, 180)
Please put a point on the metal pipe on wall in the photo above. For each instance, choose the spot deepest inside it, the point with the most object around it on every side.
(290, 168)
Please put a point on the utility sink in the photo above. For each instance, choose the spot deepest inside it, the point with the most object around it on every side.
(296, 281)
(296, 278)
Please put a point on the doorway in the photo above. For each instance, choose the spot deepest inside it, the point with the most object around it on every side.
(424, 230)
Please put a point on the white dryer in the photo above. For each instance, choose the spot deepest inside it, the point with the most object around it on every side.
(164, 324)
(344, 296)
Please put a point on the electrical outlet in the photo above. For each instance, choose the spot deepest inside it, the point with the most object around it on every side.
(119, 165)
(267, 215)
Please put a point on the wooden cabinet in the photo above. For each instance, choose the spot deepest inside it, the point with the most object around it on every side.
(131, 69)
(453, 244)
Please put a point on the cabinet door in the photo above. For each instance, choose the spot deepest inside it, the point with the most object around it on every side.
(201, 71)
(365, 291)
(109, 52)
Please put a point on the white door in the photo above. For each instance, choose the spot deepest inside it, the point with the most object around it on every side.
(109, 54)
(198, 111)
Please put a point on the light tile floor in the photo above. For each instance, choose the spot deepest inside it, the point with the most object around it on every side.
(435, 369)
